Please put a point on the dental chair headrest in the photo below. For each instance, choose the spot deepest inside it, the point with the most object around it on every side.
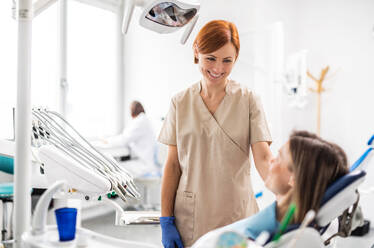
(339, 196)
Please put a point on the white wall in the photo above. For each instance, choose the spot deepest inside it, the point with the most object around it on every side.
(338, 34)
(91, 70)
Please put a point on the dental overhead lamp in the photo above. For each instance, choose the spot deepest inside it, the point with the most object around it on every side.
(164, 16)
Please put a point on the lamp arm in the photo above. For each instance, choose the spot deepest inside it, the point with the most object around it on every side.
(189, 28)
(128, 9)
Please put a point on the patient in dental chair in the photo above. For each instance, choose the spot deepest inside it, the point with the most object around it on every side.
(301, 172)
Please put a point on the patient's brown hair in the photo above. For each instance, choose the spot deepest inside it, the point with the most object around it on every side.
(316, 164)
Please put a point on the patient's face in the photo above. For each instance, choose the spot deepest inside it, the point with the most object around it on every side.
(278, 179)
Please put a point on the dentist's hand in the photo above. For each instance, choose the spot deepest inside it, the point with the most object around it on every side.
(170, 234)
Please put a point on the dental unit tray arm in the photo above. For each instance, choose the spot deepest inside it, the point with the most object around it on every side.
(66, 155)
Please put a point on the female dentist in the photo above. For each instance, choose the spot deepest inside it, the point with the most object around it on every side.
(209, 130)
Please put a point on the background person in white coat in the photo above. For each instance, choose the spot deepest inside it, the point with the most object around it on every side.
(138, 136)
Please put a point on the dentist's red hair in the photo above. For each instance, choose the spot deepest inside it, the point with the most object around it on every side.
(214, 35)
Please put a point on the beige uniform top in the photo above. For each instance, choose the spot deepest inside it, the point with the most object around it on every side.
(213, 151)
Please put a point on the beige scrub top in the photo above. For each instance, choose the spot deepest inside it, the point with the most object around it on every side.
(213, 151)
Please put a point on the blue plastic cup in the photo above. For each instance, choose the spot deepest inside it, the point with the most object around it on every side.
(66, 221)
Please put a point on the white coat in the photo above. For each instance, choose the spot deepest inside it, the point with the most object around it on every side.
(139, 137)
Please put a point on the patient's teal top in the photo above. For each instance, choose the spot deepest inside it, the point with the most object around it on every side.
(251, 227)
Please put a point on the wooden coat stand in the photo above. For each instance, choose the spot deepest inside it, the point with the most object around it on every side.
(319, 91)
